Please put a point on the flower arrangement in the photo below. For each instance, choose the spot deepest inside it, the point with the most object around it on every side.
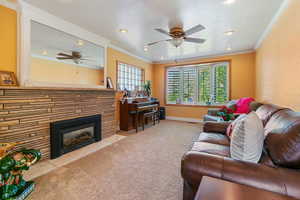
(227, 114)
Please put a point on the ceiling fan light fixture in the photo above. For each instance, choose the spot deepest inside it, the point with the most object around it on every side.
(176, 42)
(145, 48)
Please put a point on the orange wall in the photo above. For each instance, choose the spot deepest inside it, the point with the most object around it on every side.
(113, 56)
(278, 61)
(242, 83)
(8, 39)
(57, 72)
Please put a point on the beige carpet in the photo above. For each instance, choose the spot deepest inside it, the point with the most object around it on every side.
(143, 166)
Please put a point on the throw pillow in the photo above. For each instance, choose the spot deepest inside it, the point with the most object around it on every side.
(243, 105)
(232, 125)
(247, 139)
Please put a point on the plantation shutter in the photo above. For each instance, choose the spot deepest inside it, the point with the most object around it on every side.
(174, 85)
(205, 86)
(189, 85)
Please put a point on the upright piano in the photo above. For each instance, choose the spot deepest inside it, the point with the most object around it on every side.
(130, 109)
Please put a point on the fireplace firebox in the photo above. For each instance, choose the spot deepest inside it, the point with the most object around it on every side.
(69, 135)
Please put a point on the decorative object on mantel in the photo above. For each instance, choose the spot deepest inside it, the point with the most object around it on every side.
(147, 88)
(8, 79)
(12, 164)
(109, 84)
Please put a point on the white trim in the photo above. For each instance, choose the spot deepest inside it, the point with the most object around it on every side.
(194, 120)
(61, 85)
(129, 53)
(10, 5)
(283, 6)
(204, 57)
(30, 13)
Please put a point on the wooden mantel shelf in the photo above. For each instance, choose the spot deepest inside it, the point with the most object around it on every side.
(55, 88)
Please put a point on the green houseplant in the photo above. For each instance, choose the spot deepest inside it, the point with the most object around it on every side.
(147, 88)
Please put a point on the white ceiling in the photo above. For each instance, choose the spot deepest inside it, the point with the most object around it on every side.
(249, 19)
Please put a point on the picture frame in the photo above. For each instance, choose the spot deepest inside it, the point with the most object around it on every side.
(109, 84)
(8, 78)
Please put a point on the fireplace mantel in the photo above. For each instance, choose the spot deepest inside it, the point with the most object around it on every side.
(56, 88)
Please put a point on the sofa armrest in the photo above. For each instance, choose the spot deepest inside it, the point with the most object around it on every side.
(213, 111)
(215, 127)
(279, 180)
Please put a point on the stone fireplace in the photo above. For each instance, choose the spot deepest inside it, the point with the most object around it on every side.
(69, 135)
(26, 115)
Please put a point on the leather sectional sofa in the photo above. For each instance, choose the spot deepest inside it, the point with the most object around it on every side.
(278, 170)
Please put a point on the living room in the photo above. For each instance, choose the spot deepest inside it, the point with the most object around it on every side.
(149, 99)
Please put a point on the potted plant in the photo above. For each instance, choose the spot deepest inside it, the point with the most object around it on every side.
(147, 88)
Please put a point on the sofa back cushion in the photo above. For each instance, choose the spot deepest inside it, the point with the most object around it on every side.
(283, 138)
(266, 111)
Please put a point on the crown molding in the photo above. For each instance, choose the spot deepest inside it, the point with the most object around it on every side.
(205, 57)
(11, 5)
(129, 53)
(282, 8)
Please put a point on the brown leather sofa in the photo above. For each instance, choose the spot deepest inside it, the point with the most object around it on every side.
(278, 170)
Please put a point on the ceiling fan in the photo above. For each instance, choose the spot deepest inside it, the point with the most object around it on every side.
(76, 56)
(178, 35)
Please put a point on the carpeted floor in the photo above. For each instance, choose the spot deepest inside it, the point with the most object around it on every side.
(143, 166)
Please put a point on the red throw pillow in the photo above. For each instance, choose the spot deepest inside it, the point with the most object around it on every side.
(243, 105)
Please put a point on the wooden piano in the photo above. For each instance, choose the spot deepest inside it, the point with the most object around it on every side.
(130, 110)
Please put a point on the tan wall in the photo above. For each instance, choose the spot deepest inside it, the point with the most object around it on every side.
(242, 83)
(278, 61)
(57, 72)
(8, 39)
(113, 56)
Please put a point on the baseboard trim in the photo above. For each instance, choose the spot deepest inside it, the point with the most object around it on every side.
(184, 119)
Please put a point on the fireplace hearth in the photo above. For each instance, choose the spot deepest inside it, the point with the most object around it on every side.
(69, 135)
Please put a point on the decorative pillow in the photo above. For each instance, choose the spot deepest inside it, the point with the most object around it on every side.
(243, 105)
(247, 139)
(232, 125)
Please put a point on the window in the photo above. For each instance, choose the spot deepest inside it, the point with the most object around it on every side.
(130, 77)
(201, 84)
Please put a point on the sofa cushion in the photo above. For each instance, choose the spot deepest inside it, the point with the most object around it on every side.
(283, 138)
(266, 111)
(247, 139)
(214, 149)
(214, 138)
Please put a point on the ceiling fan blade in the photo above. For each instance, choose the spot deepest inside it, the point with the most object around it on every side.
(195, 29)
(162, 31)
(195, 40)
(65, 55)
(64, 58)
(153, 43)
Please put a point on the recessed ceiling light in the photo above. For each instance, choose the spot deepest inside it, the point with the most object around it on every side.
(44, 53)
(227, 2)
(80, 42)
(229, 49)
(122, 30)
(229, 33)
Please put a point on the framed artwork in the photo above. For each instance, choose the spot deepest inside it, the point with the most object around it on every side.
(8, 79)
(110, 84)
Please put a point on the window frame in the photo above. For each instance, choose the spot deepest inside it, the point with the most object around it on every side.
(117, 73)
(189, 65)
